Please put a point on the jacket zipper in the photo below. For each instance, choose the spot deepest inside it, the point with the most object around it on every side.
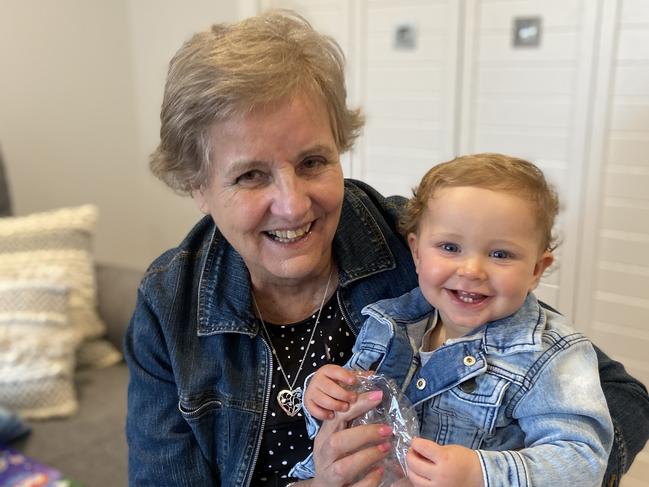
(343, 311)
(269, 385)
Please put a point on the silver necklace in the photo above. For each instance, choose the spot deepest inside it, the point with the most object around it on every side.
(290, 400)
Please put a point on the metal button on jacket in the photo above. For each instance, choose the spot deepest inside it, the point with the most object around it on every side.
(421, 383)
(469, 386)
(469, 360)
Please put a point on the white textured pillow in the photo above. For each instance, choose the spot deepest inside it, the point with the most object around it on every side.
(61, 238)
(37, 348)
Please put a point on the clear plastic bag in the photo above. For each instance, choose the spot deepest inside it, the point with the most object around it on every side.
(396, 411)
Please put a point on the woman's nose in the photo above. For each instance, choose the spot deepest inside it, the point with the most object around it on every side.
(472, 268)
(292, 199)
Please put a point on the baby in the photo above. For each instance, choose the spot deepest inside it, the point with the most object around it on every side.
(506, 392)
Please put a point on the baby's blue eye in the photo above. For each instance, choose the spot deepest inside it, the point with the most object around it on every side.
(449, 247)
(500, 254)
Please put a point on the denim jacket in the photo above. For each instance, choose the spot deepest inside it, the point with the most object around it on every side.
(527, 384)
(200, 372)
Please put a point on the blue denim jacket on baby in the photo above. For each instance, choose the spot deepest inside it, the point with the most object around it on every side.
(523, 391)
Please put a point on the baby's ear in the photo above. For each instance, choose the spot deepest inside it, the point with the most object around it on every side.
(545, 260)
(414, 249)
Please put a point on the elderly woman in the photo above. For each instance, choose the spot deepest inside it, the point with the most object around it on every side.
(270, 284)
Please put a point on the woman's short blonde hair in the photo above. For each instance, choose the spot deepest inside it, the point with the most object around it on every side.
(233, 69)
(496, 172)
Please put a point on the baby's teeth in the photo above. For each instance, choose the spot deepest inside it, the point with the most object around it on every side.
(467, 297)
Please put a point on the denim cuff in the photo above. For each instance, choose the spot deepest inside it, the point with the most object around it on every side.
(304, 470)
(503, 469)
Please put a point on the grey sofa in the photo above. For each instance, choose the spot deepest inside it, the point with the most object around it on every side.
(90, 446)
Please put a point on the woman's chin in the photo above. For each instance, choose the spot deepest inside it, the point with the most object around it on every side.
(297, 269)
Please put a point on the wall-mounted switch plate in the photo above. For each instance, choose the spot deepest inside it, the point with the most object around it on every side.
(526, 32)
(405, 37)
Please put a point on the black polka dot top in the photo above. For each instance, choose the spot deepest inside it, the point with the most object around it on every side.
(285, 441)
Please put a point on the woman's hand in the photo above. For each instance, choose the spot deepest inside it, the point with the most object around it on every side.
(434, 465)
(343, 454)
(326, 393)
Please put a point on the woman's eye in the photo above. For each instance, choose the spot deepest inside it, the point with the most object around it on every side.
(500, 254)
(313, 162)
(449, 247)
(250, 177)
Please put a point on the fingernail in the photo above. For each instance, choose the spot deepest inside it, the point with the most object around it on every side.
(374, 395)
(385, 430)
(384, 447)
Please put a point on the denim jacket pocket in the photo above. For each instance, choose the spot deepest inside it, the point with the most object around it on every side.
(196, 406)
(211, 419)
(468, 412)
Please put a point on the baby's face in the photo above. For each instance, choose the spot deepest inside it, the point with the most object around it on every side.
(477, 253)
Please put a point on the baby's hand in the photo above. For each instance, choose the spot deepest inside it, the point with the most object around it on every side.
(326, 393)
(434, 465)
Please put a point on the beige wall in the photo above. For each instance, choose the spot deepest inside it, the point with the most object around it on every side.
(80, 89)
(157, 30)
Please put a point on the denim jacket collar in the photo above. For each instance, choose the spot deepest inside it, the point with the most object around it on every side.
(400, 321)
(224, 298)
(520, 332)
(508, 335)
(359, 245)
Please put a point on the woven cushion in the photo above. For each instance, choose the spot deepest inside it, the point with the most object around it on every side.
(61, 238)
(37, 347)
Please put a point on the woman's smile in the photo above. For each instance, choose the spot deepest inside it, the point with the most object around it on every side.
(289, 236)
(276, 189)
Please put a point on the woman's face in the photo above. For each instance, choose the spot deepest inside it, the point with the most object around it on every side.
(276, 189)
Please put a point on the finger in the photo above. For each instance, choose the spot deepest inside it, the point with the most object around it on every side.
(418, 480)
(339, 374)
(317, 412)
(340, 421)
(427, 449)
(343, 455)
(371, 479)
(351, 440)
(363, 404)
(320, 398)
(330, 404)
(418, 465)
(334, 397)
(349, 467)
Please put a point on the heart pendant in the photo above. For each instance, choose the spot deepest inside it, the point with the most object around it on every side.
(290, 401)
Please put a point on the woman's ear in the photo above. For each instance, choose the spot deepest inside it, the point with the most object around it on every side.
(198, 195)
(545, 261)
